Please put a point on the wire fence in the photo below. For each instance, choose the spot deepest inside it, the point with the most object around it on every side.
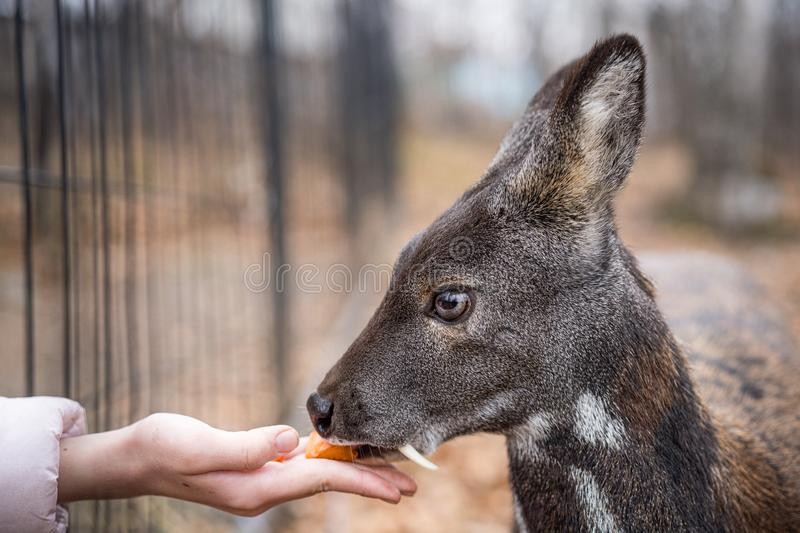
(148, 158)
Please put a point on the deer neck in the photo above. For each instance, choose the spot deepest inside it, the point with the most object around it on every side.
(634, 452)
(640, 452)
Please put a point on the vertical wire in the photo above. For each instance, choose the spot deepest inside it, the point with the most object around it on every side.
(216, 193)
(220, 103)
(274, 130)
(126, 64)
(183, 136)
(255, 240)
(146, 98)
(211, 323)
(174, 134)
(76, 517)
(118, 211)
(168, 128)
(89, 24)
(209, 226)
(193, 241)
(75, 212)
(27, 211)
(65, 210)
(105, 222)
(224, 137)
(239, 331)
(148, 177)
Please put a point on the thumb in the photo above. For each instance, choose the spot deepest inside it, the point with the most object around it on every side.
(248, 450)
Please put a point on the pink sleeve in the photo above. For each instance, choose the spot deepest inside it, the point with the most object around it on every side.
(30, 432)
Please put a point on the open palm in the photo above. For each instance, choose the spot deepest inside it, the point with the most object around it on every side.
(236, 471)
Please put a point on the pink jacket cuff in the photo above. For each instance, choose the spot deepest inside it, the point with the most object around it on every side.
(30, 432)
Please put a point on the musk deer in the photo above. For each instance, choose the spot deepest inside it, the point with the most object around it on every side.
(519, 311)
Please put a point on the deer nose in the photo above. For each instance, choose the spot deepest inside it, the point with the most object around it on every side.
(321, 412)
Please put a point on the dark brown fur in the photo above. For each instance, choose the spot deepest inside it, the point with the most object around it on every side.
(744, 365)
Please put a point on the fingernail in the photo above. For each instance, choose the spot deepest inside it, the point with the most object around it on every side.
(286, 440)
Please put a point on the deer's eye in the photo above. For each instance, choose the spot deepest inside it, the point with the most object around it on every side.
(451, 305)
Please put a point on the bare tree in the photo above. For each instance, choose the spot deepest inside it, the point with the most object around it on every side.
(782, 91)
(699, 47)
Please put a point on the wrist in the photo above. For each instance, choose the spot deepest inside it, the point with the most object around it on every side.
(137, 462)
(102, 466)
(137, 446)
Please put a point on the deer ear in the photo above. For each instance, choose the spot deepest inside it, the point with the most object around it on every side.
(578, 139)
(600, 111)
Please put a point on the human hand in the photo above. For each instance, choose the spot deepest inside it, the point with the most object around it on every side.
(182, 457)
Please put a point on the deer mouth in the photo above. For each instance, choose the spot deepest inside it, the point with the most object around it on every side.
(370, 454)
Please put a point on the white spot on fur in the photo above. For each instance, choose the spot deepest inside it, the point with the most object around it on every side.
(522, 527)
(595, 507)
(496, 406)
(537, 426)
(526, 437)
(593, 423)
(428, 442)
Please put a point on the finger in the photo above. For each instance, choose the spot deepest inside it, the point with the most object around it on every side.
(400, 479)
(405, 483)
(304, 478)
(244, 450)
(273, 484)
(300, 450)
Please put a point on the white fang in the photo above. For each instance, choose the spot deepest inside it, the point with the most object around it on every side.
(415, 457)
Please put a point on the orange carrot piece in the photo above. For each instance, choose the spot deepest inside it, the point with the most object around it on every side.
(319, 448)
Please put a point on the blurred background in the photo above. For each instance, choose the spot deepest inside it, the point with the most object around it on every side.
(191, 191)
